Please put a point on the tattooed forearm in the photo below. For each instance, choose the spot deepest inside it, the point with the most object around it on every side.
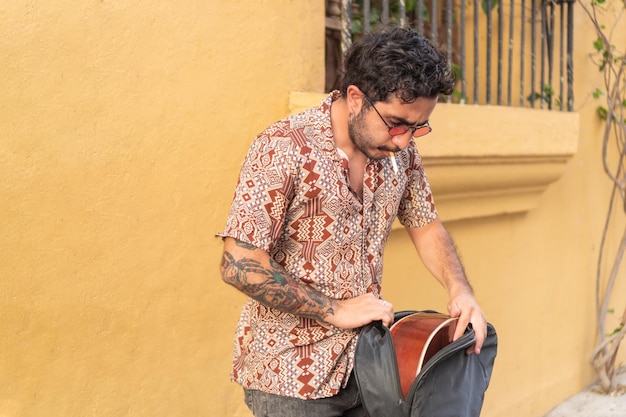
(245, 245)
(273, 287)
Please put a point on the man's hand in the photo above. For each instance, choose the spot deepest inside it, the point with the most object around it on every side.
(465, 307)
(359, 311)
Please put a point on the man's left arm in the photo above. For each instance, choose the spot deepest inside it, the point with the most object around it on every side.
(438, 253)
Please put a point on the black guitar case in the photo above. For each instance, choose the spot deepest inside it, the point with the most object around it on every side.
(451, 384)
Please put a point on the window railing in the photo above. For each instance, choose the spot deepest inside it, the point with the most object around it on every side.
(507, 53)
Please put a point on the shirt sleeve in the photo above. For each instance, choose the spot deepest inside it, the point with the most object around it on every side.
(262, 194)
(417, 207)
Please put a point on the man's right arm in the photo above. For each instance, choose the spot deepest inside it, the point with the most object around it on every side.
(252, 271)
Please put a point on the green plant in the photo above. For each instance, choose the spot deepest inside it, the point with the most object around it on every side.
(611, 63)
(485, 5)
(544, 96)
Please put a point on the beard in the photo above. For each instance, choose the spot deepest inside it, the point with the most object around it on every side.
(361, 138)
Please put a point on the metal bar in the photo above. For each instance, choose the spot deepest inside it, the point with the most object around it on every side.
(402, 12)
(544, 44)
(449, 35)
(533, 46)
(522, 60)
(542, 62)
(570, 58)
(500, 53)
(449, 29)
(346, 24)
(385, 16)
(462, 48)
(420, 17)
(510, 67)
(366, 15)
(434, 14)
(550, 47)
(476, 72)
(561, 53)
(489, 28)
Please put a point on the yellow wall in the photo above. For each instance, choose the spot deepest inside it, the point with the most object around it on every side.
(122, 127)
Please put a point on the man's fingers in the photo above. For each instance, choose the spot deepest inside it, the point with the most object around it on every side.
(480, 339)
(460, 329)
(387, 313)
(361, 310)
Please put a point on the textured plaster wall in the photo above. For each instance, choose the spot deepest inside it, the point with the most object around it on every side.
(122, 127)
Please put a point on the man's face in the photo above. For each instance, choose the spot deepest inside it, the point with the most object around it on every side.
(369, 131)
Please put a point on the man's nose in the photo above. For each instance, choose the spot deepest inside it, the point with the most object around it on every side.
(402, 141)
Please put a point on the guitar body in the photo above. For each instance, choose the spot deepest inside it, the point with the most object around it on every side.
(417, 338)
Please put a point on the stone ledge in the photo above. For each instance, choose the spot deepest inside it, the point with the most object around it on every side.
(488, 160)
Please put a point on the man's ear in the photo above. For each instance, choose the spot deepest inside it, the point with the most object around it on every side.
(354, 98)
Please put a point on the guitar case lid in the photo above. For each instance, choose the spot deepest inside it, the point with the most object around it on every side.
(376, 372)
(440, 389)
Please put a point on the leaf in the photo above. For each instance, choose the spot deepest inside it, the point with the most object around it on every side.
(533, 96)
(598, 45)
(485, 5)
(557, 102)
(548, 91)
(456, 69)
(602, 112)
(596, 94)
(615, 331)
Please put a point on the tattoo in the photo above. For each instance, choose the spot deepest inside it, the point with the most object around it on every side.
(277, 268)
(245, 245)
(273, 287)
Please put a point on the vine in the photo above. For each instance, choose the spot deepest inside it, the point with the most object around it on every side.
(611, 62)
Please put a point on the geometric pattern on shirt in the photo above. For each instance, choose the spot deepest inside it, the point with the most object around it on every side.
(293, 200)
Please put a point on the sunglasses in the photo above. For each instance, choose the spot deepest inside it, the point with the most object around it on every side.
(397, 130)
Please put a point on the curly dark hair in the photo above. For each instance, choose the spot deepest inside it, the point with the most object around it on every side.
(397, 61)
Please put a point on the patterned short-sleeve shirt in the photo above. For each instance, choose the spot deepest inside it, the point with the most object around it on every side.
(294, 201)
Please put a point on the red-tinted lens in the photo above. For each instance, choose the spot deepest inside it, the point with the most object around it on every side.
(398, 130)
(421, 131)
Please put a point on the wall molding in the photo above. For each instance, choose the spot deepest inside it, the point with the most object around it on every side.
(488, 160)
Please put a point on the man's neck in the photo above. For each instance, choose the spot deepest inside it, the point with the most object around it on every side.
(339, 115)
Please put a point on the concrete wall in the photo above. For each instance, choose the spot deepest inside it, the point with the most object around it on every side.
(122, 128)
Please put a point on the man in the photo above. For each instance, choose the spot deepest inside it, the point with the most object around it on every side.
(315, 202)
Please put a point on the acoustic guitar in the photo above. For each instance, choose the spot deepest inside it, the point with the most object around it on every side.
(417, 337)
